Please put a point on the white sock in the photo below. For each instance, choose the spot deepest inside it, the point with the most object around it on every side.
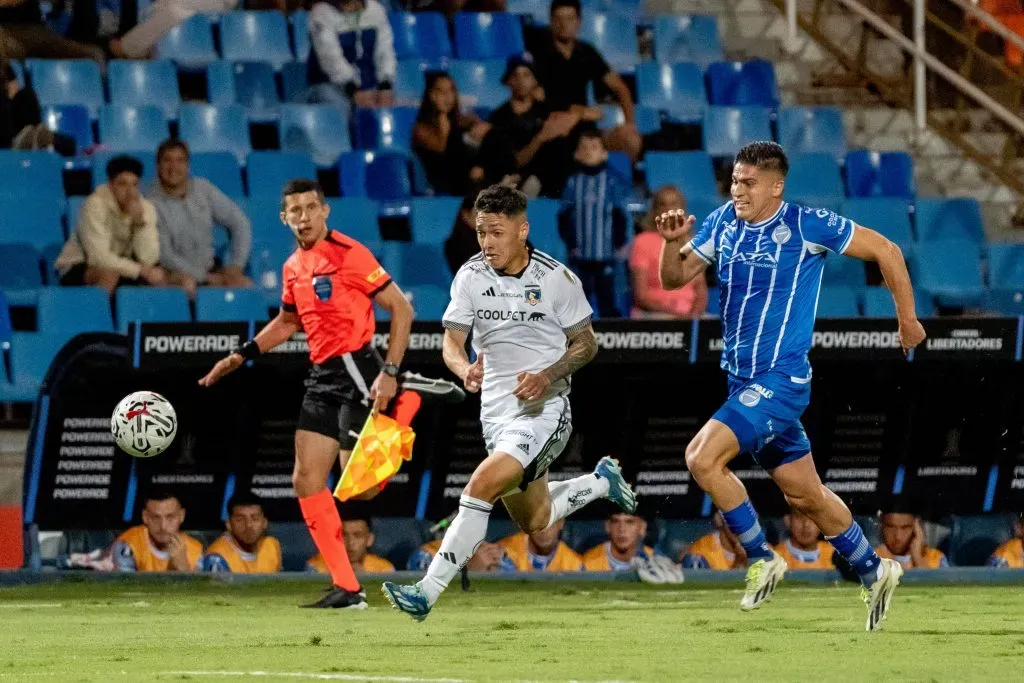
(461, 540)
(569, 496)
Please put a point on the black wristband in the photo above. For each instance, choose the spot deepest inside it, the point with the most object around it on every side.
(351, 88)
(250, 350)
(384, 85)
(390, 369)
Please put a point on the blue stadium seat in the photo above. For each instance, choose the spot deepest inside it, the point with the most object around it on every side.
(950, 270)
(1006, 264)
(355, 217)
(19, 71)
(692, 173)
(386, 176)
(268, 172)
(410, 81)
(221, 304)
(837, 302)
(410, 263)
(701, 208)
(255, 37)
(887, 215)
(265, 214)
(814, 180)
(67, 311)
(1005, 300)
(31, 354)
(71, 120)
(299, 20)
(126, 127)
(20, 267)
(293, 82)
(843, 270)
(209, 128)
(687, 39)
(35, 173)
(151, 305)
(99, 165)
(30, 220)
(614, 38)
(536, 12)
(250, 84)
(429, 301)
(384, 128)
(6, 331)
(138, 83)
(742, 83)
(431, 219)
(726, 129)
(67, 81)
(958, 218)
(879, 174)
(479, 82)
(189, 44)
(647, 119)
(420, 35)
(487, 35)
(221, 169)
(973, 538)
(878, 303)
(317, 130)
(675, 89)
(542, 215)
(811, 130)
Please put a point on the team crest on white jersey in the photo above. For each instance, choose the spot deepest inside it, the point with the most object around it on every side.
(532, 295)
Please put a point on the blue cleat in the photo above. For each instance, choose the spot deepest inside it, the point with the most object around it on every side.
(619, 492)
(410, 599)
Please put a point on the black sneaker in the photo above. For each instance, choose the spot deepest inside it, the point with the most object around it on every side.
(339, 598)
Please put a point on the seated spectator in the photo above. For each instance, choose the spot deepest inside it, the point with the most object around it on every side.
(718, 550)
(158, 545)
(804, 549)
(489, 557)
(352, 54)
(625, 542)
(543, 551)
(245, 548)
(23, 35)
(116, 241)
(903, 540)
(650, 299)
(21, 118)
(159, 18)
(359, 538)
(462, 243)
(592, 222)
(187, 208)
(1010, 555)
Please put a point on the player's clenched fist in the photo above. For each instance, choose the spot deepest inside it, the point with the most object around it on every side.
(474, 378)
(531, 386)
(674, 224)
(911, 334)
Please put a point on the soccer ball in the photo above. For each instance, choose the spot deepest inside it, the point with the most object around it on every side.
(144, 424)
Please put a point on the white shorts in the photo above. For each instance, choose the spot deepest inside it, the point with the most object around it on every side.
(535, 440)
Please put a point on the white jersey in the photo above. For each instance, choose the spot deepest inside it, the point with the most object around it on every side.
(520, 323)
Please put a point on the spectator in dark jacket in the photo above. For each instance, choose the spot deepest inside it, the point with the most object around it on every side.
(23, 34)
(462, 243)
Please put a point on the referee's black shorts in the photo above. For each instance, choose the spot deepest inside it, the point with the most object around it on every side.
(337, 400)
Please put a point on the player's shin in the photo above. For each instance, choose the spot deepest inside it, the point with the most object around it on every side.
(461, 540)
(569, 496)
(855, 549)
(742, 521)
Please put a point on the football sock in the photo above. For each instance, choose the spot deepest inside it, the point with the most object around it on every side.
(742, 521)
(854, 547)
(461, 540)
(569, 496)
(324, 524)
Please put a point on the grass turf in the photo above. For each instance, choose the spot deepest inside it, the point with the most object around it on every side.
(504, 631)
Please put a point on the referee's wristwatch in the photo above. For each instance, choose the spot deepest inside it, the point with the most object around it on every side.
(390, 369)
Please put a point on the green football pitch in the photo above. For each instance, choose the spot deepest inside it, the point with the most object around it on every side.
(504, 631)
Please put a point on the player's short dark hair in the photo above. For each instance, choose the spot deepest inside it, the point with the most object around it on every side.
(243, 499)
(501, 199)
(169, 144)
(159, 494)
(591, 134)
(575, 4)
(766, 155)
(358, 517)
(123, 164)
(898, 505)
(300, 185)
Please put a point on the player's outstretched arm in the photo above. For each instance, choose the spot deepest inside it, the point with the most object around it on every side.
(273, 334)
(679, 264)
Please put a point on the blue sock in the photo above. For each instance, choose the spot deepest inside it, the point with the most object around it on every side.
(852, 545)
(742, 521)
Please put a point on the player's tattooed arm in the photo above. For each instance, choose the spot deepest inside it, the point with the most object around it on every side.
(582, 349)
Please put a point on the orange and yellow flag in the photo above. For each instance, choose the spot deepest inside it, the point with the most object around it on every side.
(382, 446)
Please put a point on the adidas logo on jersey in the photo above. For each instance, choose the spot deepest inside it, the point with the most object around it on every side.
(489, 292)
(524, 447)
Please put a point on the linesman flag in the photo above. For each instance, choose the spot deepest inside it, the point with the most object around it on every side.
(384, 443)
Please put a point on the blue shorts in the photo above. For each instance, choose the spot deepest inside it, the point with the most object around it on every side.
(764, 414)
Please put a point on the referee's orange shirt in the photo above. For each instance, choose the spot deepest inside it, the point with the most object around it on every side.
(331, 287)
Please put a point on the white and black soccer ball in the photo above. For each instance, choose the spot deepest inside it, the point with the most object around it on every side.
(144, 424)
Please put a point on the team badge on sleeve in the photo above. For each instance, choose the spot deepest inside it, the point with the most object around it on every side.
(376, 275)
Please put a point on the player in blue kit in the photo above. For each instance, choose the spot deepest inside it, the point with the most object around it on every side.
(769, 256)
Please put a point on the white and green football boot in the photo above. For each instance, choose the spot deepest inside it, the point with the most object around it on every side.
(878, 597)
(762, 578)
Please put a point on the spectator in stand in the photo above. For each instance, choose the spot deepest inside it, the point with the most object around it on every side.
(1010, 555)
(358, 535)
(543, 551)
(718, 550)
(116, 241)
(21, 119)
(804, 549)
(489, 557)
(903, 540)
(158, 18)
(592, 222)
(158, 545)
(187, 208)
(245, 547)
(462, 243)
(625, 542)
(352, 56)
(23, 35)
(650, 299)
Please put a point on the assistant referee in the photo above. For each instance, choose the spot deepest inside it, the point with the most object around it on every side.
(329, 286)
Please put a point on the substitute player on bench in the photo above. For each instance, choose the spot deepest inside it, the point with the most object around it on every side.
(330, 284)
(531, 330)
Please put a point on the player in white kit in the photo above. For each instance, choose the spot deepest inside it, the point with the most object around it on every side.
(531, 330)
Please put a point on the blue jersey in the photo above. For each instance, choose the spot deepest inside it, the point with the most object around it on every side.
(769, 275)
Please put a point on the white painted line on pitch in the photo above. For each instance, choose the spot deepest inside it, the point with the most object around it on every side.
(316, 676)
(19, 605)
